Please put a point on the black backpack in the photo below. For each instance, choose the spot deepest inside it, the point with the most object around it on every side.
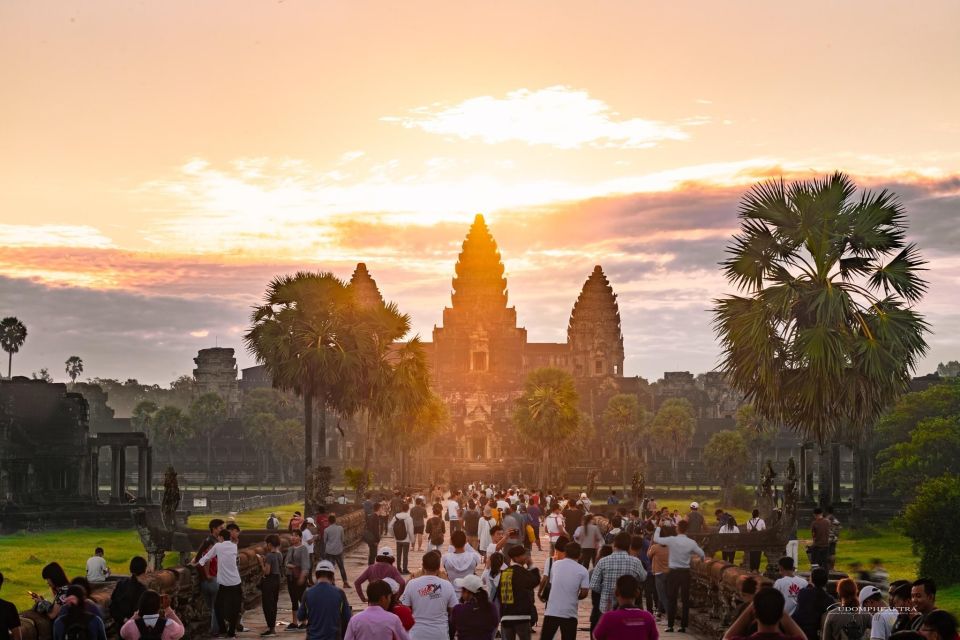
(78, 629)
(399, 529)
(436, 531)
(151, 633)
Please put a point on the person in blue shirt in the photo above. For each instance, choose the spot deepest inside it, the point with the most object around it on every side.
(73, 613)
(324, 606)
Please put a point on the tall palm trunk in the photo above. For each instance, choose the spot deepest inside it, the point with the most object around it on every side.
(623, 469)
(307, 443)
(544, 469)
(825, 481)
(10, 365)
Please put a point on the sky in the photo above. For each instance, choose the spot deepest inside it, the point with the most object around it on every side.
(161, 162)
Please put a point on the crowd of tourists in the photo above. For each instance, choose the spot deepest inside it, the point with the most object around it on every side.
(477, 579)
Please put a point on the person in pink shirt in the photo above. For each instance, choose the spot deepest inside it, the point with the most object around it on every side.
(627, 622)
(376, 622)
(154, 613)
(382, 568)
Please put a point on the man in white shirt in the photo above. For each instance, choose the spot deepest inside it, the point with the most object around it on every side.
(453, 512)
(554, 525)
(462, 561)
(230, 593)
(681, 549)
(569, 584)
(97, 569)
(431, 598)
(789, 584)
(483, 531)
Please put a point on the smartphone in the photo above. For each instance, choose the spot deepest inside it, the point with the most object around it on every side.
(33, 594)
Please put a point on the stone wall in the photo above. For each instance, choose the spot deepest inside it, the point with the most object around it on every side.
(183, 586)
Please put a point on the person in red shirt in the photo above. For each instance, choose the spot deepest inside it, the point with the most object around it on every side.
(627, 621)
(402, 611)
(768, 612)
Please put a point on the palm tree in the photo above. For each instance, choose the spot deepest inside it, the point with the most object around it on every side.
(547, 414)
(725, 457)
(13, 334)
(207, 414)
(825, 337)
(171, 428)
(74, 367)
(624, 419)
(143, 415)
(299, 335)
(672, 430)
(756, 432)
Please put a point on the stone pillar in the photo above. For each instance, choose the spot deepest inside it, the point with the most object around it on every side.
(115, 454)
(149, 480)
(835, 463)
(122, 474)
(142, 477)
(95, 473)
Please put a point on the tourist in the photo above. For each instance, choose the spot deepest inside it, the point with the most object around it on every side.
(721, 517)
(590, 539)
(812, 602)
(682, 549)
(883, 618)
(371, 531)
(74, 621)
(324, 608)
(384, 514)
(512, 527)
(484, 526)
(154, 619)
(367, 504)
(608, 570)
(595, 593)
(695, 521)
(333, 546)
(924, 596)
(382, 568)
(435, 529)
(376, 622)
(832, 537)
(97, 569)
(208, 574)
(572, 516)
(659, 555)
(308, 532)
(397, 504)
(773, 623)
(628, 621)
(126, 594)
(585, 502)
(939, 625)
(789, 584)
(402, 527)
(748, 589)
(273, 523)
(755, 523)
(555, 525)
(845, 621)
(729, 526)
(419, 515)
(902, 601)
(58, 584)
(431, 598)
(342, 499)
(878, 573)
(295, 523)
(454, 512)
(402, 611)
(9, 619)
(569, 583)
(517, 584)
(88, 604)
(297, 562)
(497, 542)
(460, 562)
(270, 564)
(543, 591)
(471, 524)
(820, 549)
(229, 594)
(613, 500)
(491, 578)
(474, 618)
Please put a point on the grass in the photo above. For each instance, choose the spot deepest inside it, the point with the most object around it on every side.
(254, 519)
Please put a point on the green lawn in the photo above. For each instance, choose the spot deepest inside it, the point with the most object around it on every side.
(255, 519)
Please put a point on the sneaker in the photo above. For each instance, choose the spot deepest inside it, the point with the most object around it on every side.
(268, 632)
(293, 627)
(669, 629)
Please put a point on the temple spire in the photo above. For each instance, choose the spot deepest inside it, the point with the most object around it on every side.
(365, 287)
(594, 332)
(479, 281)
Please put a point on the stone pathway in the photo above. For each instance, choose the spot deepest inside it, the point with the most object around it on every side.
(356, 561)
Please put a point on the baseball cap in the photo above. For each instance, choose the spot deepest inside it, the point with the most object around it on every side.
(325, 565)
(311, 521)
(394, 585)
(694, 505)
(583, 495)
(471, 583)
(386, 552)
(868, 592)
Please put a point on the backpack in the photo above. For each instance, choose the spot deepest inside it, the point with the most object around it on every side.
(399, 529)
(436, 531)
(151, 633)
(78, 629)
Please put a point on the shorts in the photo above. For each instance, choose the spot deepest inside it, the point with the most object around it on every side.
(418, 530)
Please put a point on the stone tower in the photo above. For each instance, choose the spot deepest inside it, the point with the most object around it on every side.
(479, 339)
(216, 372)
(365, 287)
(593, 335)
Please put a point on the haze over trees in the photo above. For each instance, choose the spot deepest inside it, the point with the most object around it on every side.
(672, 430)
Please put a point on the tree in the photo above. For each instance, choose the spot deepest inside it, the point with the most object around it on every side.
(143, 415)
(207, 414)
(949, 370)
(757, 433)
(825, 337)
(74, 367)
(547, 414)
(672, 430)
(932, 451)
(13, 334)
(931, 521)
(171, 428)
(286, 442)
(937, 401)
(43, 374)
(184, 384)
(357, 480)
(727, 459)
(624, 420)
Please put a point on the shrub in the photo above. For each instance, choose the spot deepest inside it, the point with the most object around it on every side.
(932, 521)
(742, 497)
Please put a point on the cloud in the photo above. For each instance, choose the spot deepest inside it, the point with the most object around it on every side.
(52, 235)
(557, 116)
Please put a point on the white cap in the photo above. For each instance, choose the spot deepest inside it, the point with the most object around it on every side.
(386, 552)
(394, 585)
(868, 592)
(694, 505)
(311, 521)
(325, 565)
(471, 583)
(583, 495)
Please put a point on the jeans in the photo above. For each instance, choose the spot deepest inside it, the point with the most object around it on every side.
(455, 525)
(567, 627)
(820, 556)
(650, 591)
(678, 584)
(587, 556)
(371, 553)
(514, 630)
(728, 556)
(229, 603)
(660, 581)
(403, 556)
(270, 596)
(337, 560)
(754, 559)
(208, 589)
